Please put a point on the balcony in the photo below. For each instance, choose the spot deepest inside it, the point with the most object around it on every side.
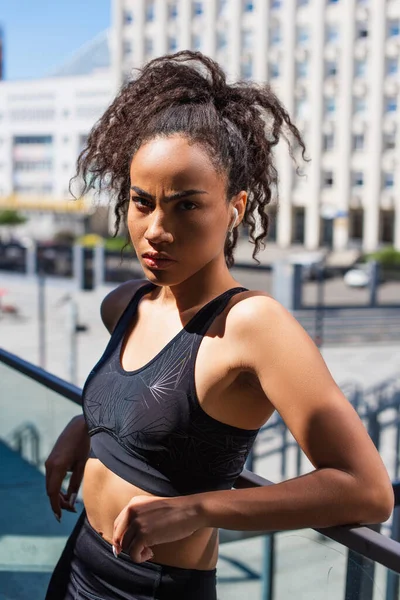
(342, 563)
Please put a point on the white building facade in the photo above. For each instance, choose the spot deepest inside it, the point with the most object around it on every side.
(44, 124)
(334, 64)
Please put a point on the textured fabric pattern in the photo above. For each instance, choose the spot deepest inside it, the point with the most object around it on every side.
(154, 415)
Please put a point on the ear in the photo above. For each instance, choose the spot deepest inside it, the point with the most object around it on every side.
(239, 202)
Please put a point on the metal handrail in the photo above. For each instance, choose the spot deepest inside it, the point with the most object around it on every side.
(361, 539)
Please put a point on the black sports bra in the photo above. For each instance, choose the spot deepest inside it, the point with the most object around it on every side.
(147, 425)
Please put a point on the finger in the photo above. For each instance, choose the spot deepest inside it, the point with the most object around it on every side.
(139, 552)
(122, 524)
(54, 479)
(75, 483)
(65, 503)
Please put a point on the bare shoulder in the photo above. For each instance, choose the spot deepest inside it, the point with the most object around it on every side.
(254, 309)
(114, 304)
(262, 327)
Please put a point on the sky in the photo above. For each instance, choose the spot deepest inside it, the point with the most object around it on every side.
(40, 35)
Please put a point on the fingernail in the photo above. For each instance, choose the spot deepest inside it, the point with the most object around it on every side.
(115, 552)
(57, 517)
(72, 500)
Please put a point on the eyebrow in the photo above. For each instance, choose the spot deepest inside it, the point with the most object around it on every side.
(175, 196)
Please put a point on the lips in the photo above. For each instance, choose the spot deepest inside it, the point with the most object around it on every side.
(157, 256)
(157, 261)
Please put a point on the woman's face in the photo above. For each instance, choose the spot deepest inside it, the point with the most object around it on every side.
(177, 208)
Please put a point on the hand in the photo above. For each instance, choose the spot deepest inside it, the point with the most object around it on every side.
(147, 521)
(69, 453)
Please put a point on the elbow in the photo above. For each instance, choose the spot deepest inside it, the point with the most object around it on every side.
(378, 506)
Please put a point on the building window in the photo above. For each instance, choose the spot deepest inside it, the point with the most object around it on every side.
(360, 68)
(302, 69)
(198, 8)
(272, 214)
(358, 179)
(388, 180)
(302, 2)
(247, 39)
(221, 40)
(302, 108)
(33, 139)
(392, 66)
(148, 46)
(248, 6)
(359, 105)
(276, 36)
(328, 179)
(274, 70)
(394, 28)
(328, 141)
(391, 104)
(333, 1)
(172, 44)
(150, 11)
(362, 31)
(298, 225)
(330, 105)
(127, 47)
(302, 34)
(275, 4)
(389, 141)
(222, 4)
(356, 224)
(172, 11)
(247, 69)
(331, 68)
(128, 17)
(196, 42)
(332, 33)
(358, 141)
(387, 222)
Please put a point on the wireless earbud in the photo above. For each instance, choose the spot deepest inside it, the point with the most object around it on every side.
(236, 215)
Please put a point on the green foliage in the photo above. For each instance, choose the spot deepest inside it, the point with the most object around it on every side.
(115, 244)
(11, 217)
(387, 257)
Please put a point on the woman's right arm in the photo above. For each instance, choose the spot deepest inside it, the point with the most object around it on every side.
(71, 450)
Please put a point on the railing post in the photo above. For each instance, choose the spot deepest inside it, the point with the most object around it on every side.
(284, 453)
(30, 260)
(99, 266)
(359, 578)
(268, 566)
(392, 579)
(77, 266)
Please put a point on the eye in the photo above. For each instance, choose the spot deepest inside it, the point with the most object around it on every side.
(187, 205)
(141, 202)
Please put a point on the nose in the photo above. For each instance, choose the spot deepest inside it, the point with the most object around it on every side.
(156, 232)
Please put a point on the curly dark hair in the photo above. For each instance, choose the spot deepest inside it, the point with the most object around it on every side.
(187, 93)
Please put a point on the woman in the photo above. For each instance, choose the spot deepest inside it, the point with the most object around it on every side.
(196, 363)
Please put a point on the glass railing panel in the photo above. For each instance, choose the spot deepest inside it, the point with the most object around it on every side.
(31, 540)
(308, 564)
(300, 564)
(239, 569)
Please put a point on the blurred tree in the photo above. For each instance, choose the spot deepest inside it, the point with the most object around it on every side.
(11, 217)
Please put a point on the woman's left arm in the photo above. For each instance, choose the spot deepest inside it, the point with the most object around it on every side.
(350, 483)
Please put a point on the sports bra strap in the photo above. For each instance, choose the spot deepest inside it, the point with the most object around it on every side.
(206, 315)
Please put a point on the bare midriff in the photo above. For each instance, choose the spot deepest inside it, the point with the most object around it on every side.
(105, 494)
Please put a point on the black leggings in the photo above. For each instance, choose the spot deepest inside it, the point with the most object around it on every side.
(88, 570)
